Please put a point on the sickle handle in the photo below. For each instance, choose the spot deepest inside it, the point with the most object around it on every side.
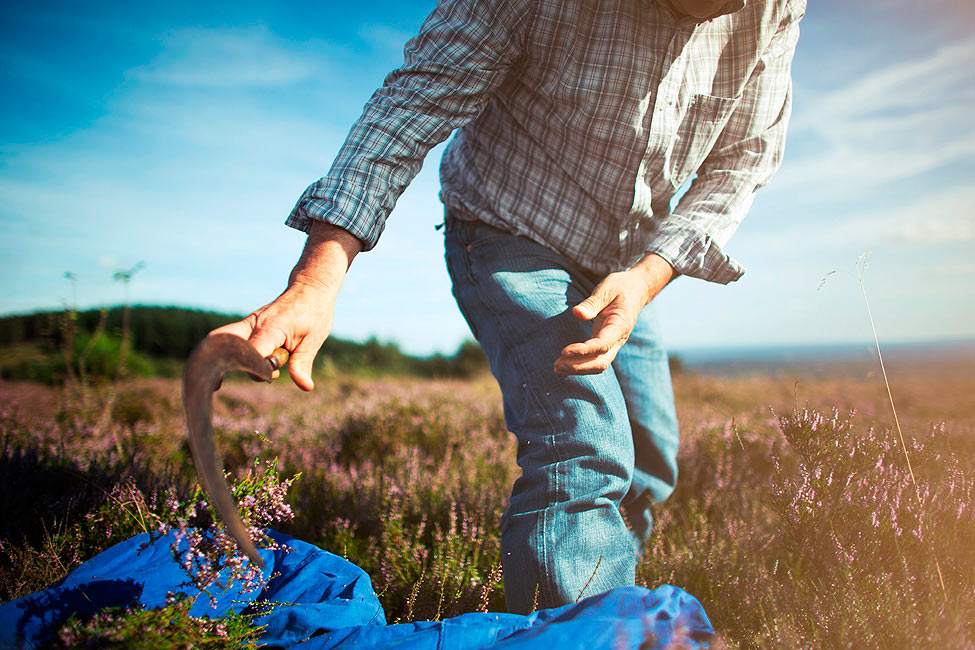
(278, 358)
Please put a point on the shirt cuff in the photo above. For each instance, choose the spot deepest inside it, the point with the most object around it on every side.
(693, 252)
(337, 208)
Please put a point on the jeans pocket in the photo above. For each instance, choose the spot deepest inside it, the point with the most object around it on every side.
(705, 117)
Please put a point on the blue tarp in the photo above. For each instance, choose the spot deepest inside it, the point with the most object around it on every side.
(329, 604)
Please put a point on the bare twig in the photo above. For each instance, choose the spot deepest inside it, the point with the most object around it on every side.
(734, 427)
(414, 592)
(589, 581)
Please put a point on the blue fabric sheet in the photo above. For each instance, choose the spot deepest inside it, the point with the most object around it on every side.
(331, 606)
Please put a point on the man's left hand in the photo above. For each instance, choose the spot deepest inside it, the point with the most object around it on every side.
(613, 308)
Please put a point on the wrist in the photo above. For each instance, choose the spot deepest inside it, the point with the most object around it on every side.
(317, 286)
(327, 256)
(654, 273)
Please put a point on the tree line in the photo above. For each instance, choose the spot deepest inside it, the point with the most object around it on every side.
(160, 337)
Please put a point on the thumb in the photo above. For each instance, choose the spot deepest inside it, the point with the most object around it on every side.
(300, 364)
(591, 306)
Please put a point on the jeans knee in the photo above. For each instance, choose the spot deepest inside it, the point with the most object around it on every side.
(575, 469)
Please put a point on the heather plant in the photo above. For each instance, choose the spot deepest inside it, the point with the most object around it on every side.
(409, 485)
(816, 538)
(211, 560)
(170, 626)
(865, 544)
(74, 511)
(205, 549)
(785, 528)
(94, 502)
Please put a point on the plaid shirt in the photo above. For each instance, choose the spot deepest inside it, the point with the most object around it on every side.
(579, 121)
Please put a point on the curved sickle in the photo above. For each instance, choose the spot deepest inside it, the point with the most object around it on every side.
(211, 359)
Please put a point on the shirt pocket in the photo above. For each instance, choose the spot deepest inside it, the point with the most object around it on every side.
(697, 132)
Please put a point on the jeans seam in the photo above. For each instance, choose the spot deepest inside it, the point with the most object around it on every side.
(453, 282)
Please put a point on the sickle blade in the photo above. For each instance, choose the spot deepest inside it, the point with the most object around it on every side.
(213, 357)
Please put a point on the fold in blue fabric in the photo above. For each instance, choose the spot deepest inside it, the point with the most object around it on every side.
(319, 601)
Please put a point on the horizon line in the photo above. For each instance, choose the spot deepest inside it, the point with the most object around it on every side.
(678, 349)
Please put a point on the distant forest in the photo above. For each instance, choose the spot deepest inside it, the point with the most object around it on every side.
(165, 335)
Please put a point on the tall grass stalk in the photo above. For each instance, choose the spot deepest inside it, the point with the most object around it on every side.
(861, 266)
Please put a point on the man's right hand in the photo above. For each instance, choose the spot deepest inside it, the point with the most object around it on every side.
(300, 319)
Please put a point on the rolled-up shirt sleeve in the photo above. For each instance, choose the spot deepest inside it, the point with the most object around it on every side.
(451, 68)
(744, 158)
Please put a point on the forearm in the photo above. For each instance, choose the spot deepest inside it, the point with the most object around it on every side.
(327, 256)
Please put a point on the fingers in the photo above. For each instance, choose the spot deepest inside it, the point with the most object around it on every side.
(607, 333)
(587, 365)
(268, 339)
(596, 354)
(612, 324)
(264, 339)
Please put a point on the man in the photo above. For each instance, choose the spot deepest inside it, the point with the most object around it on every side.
(579, 121)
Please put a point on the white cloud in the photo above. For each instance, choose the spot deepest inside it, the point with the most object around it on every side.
(944, 218)
(894, 123)
(228, 58)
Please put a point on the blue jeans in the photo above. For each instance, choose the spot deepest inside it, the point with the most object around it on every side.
(589, 447)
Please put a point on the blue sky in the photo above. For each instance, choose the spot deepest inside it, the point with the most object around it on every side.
(181, 136)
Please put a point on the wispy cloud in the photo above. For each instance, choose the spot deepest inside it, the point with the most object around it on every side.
(894, 123)
(228, 58)
(950, 230)
(910, 85)
(944, 218)
(947, 217)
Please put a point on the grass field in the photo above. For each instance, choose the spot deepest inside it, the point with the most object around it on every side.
(795, 523)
